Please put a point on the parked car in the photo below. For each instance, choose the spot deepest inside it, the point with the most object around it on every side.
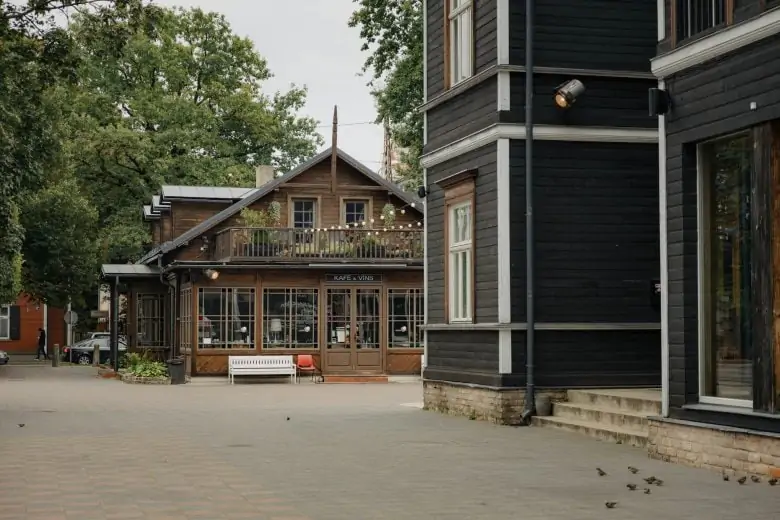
(95, 335)
(4, 358)
(81, 352)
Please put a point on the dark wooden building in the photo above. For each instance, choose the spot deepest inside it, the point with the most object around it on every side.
(326, 260)
(595, 185)
(718, 67)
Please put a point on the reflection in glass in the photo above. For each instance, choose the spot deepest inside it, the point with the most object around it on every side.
(406, 309)
(290, 318)
(226, 318)
(728, 342)
(339, 318)
(367, 318)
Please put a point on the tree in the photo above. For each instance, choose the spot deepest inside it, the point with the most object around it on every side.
(170, 96)
(392, 32)
(34, 55)
(60, 251)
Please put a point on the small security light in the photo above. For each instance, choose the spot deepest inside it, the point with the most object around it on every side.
(211, 274)
(567, 93)
(659, 101)
(421, 193)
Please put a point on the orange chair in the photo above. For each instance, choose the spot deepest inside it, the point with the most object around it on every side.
(305, 363)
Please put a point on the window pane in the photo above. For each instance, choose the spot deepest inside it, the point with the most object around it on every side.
(405, 318)
(5, 331)
(354, 212)
(728, 346)
(455, 49)
(149, 319)
(303, 213)
(226, 318)
(464, 283)
(462, 224)
(455, 282)
(290, 318)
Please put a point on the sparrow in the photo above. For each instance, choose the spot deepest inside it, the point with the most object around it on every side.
(288, 418)
(618, 441)
(610, 505)
(633, 470)
(601, 472)
(742, 480)
(647, 491)
(658, 482)
(725, 477)
(632, 487)
(20, 425)
(650, 480)
(755, 479)
(772, 481)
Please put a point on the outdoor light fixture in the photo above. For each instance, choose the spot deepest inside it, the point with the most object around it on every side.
(659, 101)
(211, 274)
(421, 193)
(567, 93)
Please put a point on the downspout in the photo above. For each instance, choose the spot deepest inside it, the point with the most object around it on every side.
(530, 399)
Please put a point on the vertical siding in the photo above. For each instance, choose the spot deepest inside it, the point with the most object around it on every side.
(486, 271)
(597, 34)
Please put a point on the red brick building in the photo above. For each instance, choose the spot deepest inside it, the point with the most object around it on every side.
(20, 321)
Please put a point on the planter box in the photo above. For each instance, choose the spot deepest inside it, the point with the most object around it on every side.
(138, 380)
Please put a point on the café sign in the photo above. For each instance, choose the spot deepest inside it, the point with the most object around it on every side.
(353, 278)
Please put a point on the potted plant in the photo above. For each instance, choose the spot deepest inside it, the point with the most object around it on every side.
(258, 240)
(370, 246)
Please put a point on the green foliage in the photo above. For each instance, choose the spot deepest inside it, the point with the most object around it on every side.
(171, 96)
(392, 32)
(60, 249)
(262, 218)
(142, 365)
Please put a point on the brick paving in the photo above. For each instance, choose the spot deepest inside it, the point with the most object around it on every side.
(99, 449)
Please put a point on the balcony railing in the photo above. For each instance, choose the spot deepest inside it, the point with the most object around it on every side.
(300, 245)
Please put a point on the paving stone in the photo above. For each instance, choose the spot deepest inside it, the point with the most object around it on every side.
(95, 449)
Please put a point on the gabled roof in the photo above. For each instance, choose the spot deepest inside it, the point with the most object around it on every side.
(204, 192)
(267, 188)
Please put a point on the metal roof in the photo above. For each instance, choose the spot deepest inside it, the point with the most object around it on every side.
(158, 205)
(204, 192)
(129, 270)
(259, 193)
(148, 215)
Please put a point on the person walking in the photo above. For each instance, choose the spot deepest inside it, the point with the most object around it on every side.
(41, 346)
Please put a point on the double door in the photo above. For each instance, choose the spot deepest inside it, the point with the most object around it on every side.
(353, 332)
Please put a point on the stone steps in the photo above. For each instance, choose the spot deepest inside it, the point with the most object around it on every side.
(611, 415)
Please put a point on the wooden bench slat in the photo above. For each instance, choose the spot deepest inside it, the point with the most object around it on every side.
(262, 365)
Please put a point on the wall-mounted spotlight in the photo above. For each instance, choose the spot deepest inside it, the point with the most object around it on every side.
(422, 192)
(660, 102)
(211, 274)
(566, 94)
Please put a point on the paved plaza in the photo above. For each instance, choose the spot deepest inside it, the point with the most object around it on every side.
(99, 449)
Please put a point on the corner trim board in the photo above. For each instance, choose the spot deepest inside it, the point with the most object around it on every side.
(542, 133)
(505, 351)
(717, 44)
(504, 223)
(504, 91)
(502, 38)
(664, 260)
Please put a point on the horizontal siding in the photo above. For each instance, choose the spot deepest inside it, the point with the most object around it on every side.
(464, 114)
(596, 359)
(485, 239)
(597, 34)
(596, 232)
(615, 102)
(468, 351)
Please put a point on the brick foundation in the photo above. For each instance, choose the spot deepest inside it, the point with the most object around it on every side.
(496, 405)
(723, 449)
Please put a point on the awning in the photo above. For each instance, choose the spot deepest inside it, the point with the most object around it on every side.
(129, 271)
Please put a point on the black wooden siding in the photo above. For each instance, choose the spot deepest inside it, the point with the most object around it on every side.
(709, 101)
(485, 44)
(597, 34)
(464, 352)
(596, 359)
(485, 239)
(596, 225)
(464, 114)
(613, 102)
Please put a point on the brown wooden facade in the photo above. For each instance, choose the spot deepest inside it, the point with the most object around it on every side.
(348, 291)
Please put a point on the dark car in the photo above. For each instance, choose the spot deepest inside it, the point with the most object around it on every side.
(82, 351)
(4, 357)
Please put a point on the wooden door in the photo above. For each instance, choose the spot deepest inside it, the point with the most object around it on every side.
(353, 330)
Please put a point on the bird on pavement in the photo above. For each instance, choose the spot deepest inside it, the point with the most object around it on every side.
(647, 491)
(610, 505)
(755, 479)
(649, 480)
(632, 487)
(742, 480)
(725, 477)
(772, 481)
(21, 425)
(658, 482)
(633, 470)
(601, 472)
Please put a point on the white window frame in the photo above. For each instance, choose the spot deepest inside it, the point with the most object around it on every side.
(703, 183)
(461, 44)
(457, 248)
(5, 315)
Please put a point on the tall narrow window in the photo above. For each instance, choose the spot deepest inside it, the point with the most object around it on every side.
(461, 44)
(5, 322)
(460, 262)
(185, 320)
(303, 213)
(405, 316)
(726, 343)
(150, 320)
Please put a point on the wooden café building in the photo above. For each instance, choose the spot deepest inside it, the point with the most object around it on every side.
(325, 260)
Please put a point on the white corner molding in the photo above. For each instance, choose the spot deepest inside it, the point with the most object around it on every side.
(717, 44)
(502, 38)
(664, 261)
(504, 238)
(661, 19)
(425, 274)
(505, 351)
(541, 133)
(504, 87)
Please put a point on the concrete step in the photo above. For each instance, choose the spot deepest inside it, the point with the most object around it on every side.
(629, 420)
(595, 430)
(645, 402)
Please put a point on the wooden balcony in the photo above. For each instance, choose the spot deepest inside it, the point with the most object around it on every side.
(295, 245)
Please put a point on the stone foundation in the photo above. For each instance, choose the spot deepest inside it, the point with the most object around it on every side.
(137, 380)
(723, 449)
(495, 405)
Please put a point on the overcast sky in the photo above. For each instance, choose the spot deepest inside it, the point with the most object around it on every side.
(307, 42)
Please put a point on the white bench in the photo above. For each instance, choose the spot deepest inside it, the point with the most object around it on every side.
(261, 366)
